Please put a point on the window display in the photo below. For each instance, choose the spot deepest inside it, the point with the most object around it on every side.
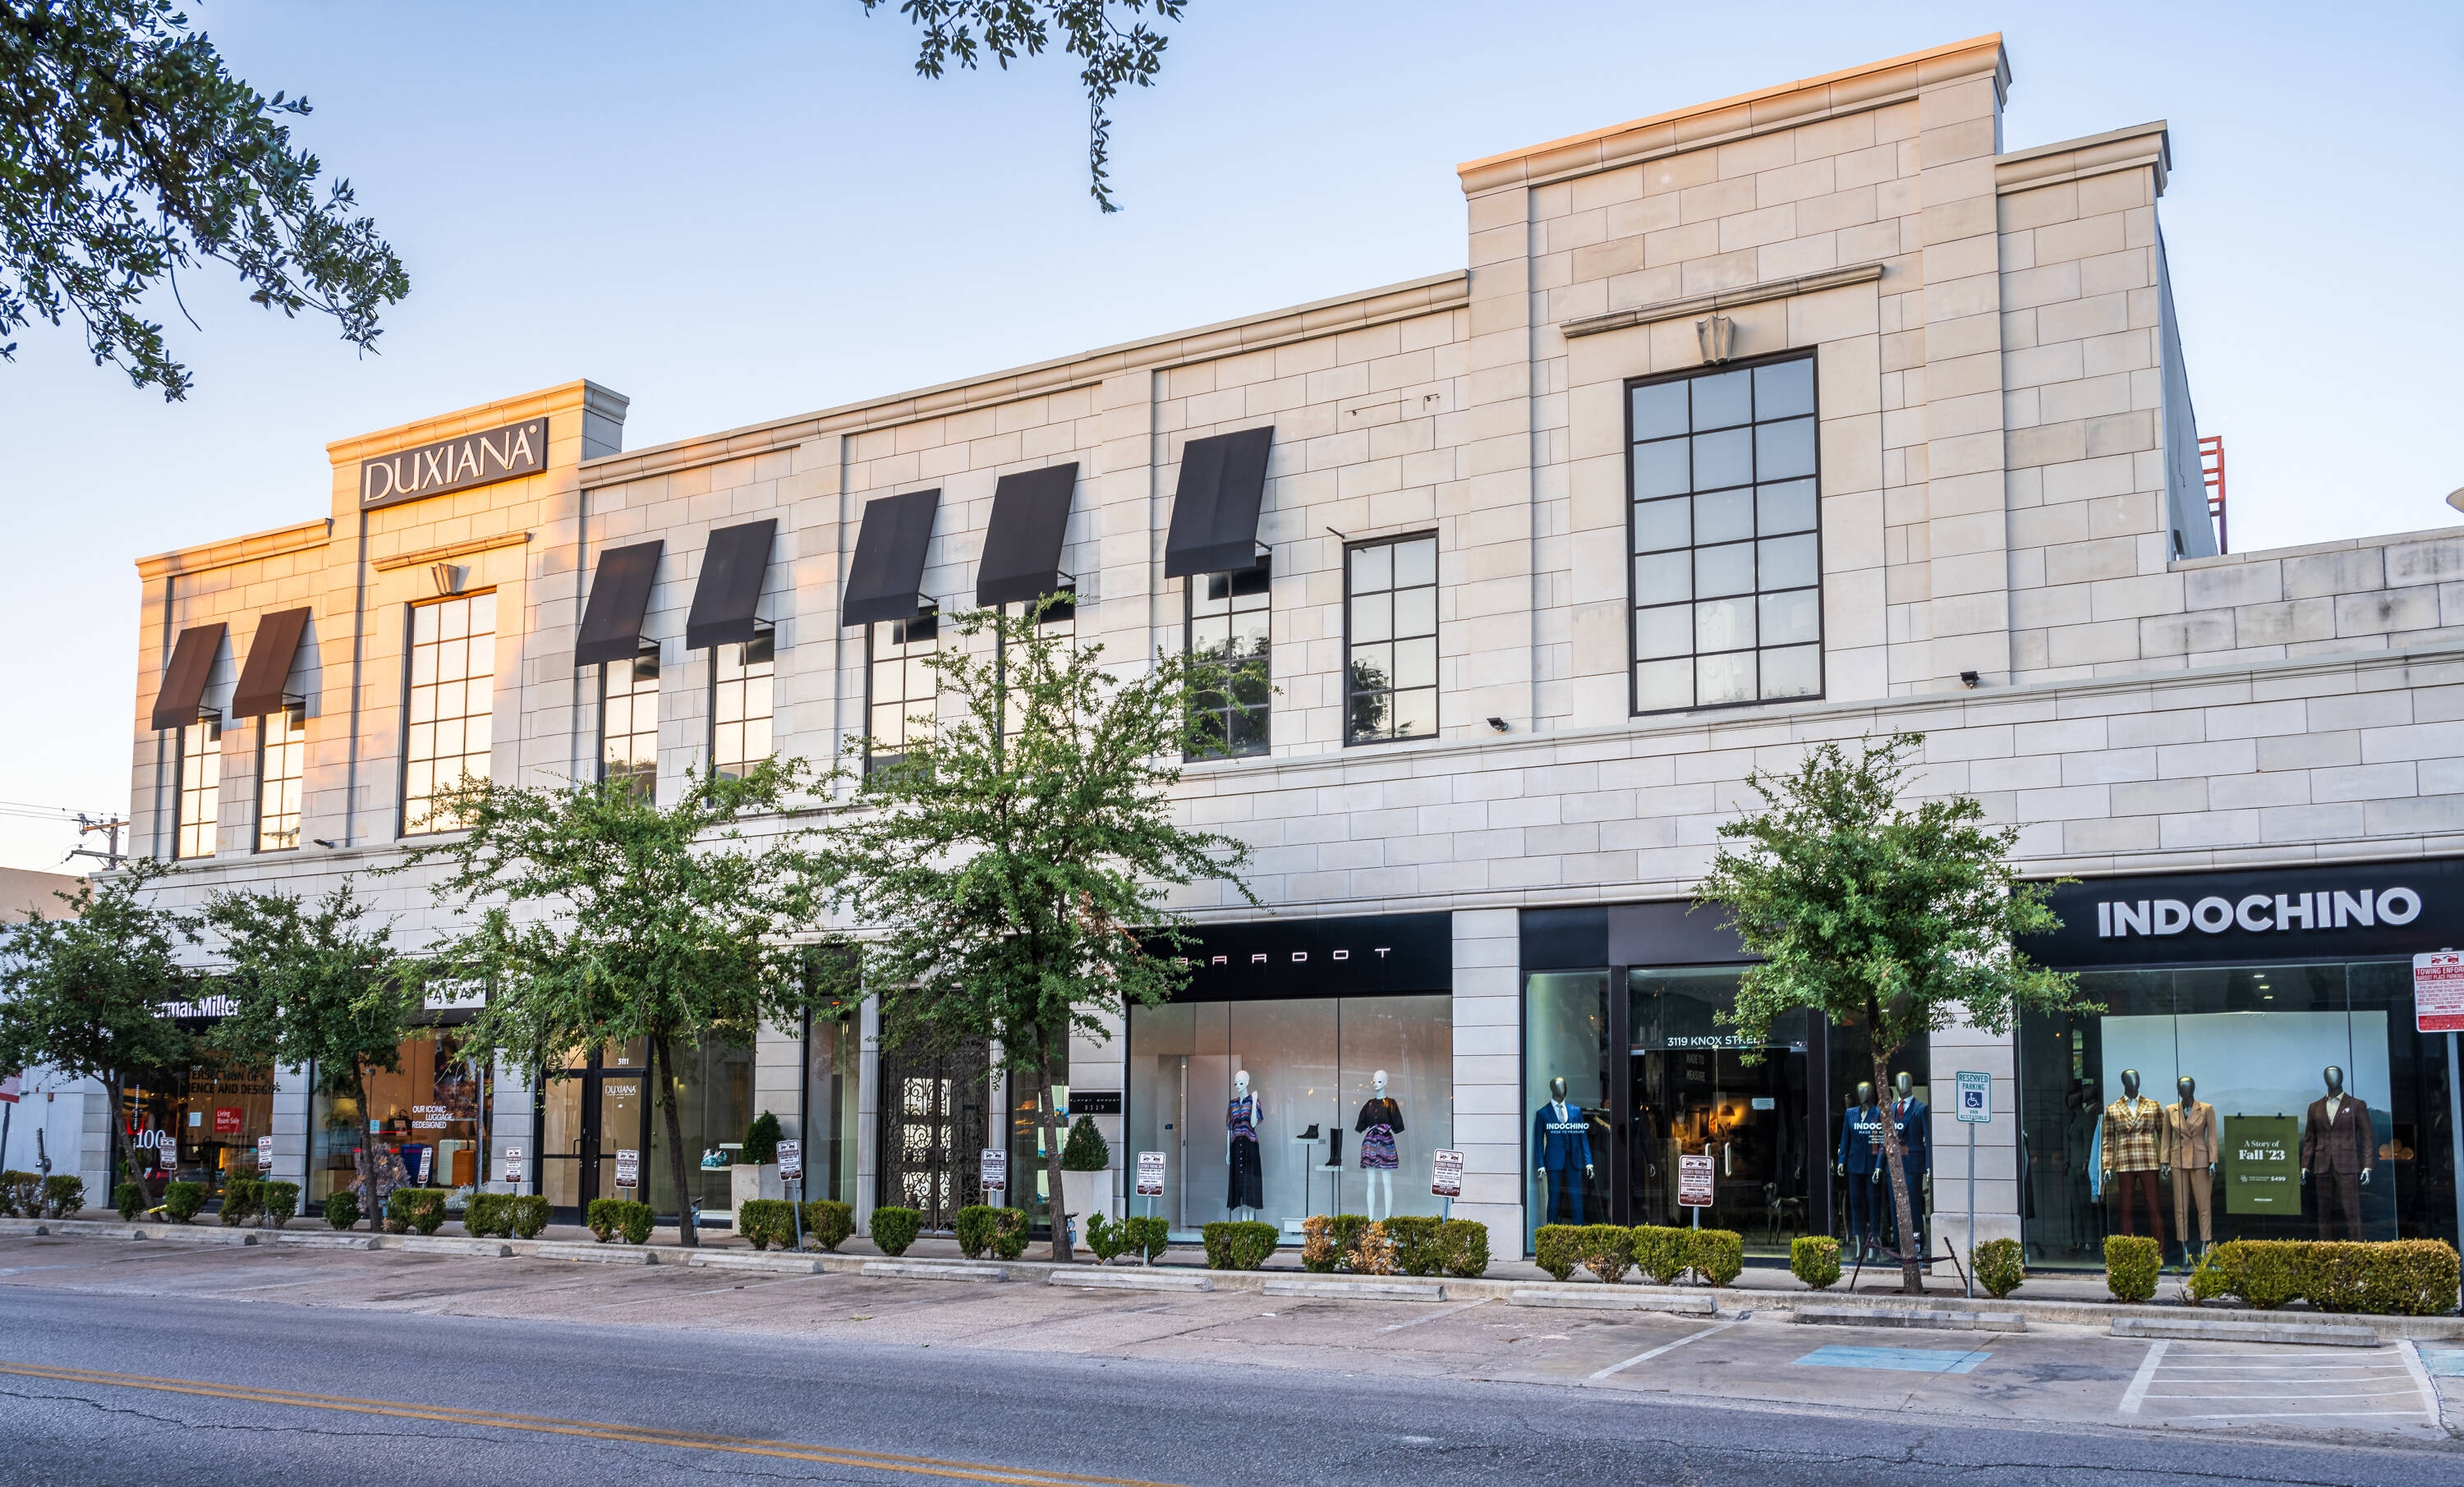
(429, 1110)
(201, 1127)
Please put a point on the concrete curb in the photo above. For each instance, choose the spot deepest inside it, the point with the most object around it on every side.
(1131, 1281)
(432, 1244)
(930, 1270)
(2202, 1331)
(1356, 1290)
(1603, 1298)
(599, 1253)
(792, 1264)
(327, 1241)
(1912, 1317)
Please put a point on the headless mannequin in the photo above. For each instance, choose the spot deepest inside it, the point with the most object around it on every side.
(1234, 1138)
(1381, 1180)
(1858, 1163)
(1559, 1143)
(2337, 1144)
(2191, 1164)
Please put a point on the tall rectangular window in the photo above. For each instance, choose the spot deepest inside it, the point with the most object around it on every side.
(628, 722)
(281, 763)
(1225, 633)
(900, 685)
(1056, 621)
(201, 778)
(1727, 560)
(1389, 640)
(740, 706)
(452, 705)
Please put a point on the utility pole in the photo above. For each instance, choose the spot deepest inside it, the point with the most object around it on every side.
(114, 825)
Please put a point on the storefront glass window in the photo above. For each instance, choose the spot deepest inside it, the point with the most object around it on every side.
(1700, 1089)
(2257, 1041)
(1565, 1037)
(833, 1072)
(430, 1110)
(201, 1127)
(1313, 1064)
(713, 1089)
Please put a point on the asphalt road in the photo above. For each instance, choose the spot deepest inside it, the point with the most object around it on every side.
(164, 1391)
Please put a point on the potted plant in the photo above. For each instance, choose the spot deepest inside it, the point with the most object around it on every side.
(754, 1175)
(1085, 1172)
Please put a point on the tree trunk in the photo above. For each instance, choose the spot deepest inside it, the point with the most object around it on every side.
(371, 1202)
(1911, 1275)
(1063, 1252)
(663, 1057)
(120, 1140)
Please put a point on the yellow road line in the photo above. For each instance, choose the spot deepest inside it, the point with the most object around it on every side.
(592, 1430)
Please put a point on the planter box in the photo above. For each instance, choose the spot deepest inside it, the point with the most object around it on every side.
(1086, 1193)
(745, 1184)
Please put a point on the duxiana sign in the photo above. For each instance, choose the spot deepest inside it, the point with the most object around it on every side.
(455, 463)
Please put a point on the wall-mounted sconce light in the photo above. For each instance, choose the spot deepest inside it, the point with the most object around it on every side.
(1717, 336)
(1497, 723)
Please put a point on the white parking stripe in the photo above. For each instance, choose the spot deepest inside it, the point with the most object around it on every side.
(1690, 1337)
(2411, 1352)
(2145, 1376)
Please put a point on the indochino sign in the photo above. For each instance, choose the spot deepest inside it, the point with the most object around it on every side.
(2299, 913)
(457, 463)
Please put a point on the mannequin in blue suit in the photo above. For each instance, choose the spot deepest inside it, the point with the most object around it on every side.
(1859, 1162)
(1561, 1142)
(1914, 1119)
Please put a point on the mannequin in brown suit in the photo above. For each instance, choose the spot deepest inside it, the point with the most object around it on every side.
(2190, 1150)
(2338, 1143)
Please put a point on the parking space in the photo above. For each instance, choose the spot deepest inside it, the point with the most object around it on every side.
(2224, 1384)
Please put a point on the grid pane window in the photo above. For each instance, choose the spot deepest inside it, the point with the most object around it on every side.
(281, 762)
(1391, 640)
(1056, 621)
(201, 778)
(452, 705)
(1226, 636)
(739, 707)
(901, 685)
(1727, 562)
(628, 723)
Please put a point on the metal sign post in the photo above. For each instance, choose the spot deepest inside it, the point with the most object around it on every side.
(791, 1175)
(628, 1168)
(2438, 1007)
(1696, 1176)
(1976, 1109)
(1445, 1178)
(514, 1166)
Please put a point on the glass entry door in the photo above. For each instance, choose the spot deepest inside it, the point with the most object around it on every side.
(1698, 1089)
(587, 1115)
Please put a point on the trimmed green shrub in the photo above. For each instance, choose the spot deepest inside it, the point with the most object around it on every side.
(1146, 1237)
(1415, 1237)
(2337, 1277)
(281, 1203)
(21, 1194)
(1464, 1242)
(1606, 1251)
(241, 1196)
(2266, 1276)
(827, 1222)
(130, 1199)
(2412, 1278)
(2000, 1266)
(614, 1218)
(1107, 1240)
(1661, 1253)
(181, 1201)
(2206, 1281)
(2403, 1277)
(1009, 1232)
(766, 1221)
(342, 1210)
(526, 1216)
(63, 1196)
(1333, 1243)
(1086, 1151)
(1558, 1249)
(1715, 1255)
(975, 1229)
(2131, 1265)
(1815, 1260)
(893, 1229)
(484, 1216)
(760, 1141)
(418, 1210)
(1238, 1244)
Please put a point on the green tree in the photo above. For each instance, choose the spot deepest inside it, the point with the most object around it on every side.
(591, 914)
(1109, 57)
(315, 986)
(1016, 859)
(86, 991)
(1904, 920)
(128, 152)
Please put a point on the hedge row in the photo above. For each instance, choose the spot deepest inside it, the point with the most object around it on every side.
(2398, 1277)
(498, 1216)
(611, 1217)
(34, 1195)
(983, 1227)
(1664, 1254)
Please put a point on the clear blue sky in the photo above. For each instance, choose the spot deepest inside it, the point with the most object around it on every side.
(736, 212)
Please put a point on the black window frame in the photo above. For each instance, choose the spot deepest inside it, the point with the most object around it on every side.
(1633, 605)
(293, 716)
(646, 782)
(1238, 583)
(1437, 626)
(212, 723)
(761, 650)
(923, 626)
(403, 828)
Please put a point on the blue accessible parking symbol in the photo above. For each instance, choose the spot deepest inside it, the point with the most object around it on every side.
(1904, 1360)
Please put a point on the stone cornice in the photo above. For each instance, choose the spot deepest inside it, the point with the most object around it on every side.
(1721, 299)
(582, 393)
(2147, 144)
(450, 550)
(1407, 300)
(275, 542)
(1785, 106)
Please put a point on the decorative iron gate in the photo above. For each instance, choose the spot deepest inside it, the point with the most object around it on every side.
(933, 1128)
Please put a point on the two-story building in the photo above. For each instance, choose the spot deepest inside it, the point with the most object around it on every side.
(1809, 414)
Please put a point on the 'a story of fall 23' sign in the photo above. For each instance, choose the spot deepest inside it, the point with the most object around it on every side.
(455, 463)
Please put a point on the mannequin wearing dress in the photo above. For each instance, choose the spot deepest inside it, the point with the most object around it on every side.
(1246, 1190)
(1381, 1122)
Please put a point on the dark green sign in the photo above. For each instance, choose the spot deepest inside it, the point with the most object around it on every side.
(2262, 1161)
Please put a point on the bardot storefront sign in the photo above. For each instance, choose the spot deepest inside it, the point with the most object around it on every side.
(2302, 912)
(455, 463)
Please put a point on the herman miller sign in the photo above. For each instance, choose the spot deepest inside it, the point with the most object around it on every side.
(2304, 911)
(457, 463)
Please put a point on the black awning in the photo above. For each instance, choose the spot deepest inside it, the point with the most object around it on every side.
(887, 579)
(1022, 541)
(732, 567)
(1215, 511)
(268, 669)
(620, 595)
(183, 682)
